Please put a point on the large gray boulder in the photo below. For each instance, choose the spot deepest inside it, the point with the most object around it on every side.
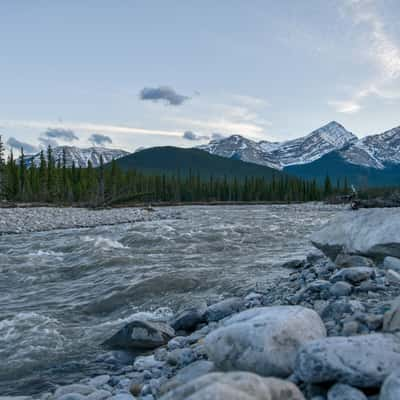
(348, 260)
(235, 386)
(370, 232)
(263, 340)
(362, 361)
(224, 308)
(391, 387)
(190, 316)
(353, 274)
(141, 335)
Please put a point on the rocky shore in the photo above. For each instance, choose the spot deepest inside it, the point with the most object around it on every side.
(331, 331)
(39, 219)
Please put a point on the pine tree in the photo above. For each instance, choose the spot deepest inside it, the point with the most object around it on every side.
(2, 171)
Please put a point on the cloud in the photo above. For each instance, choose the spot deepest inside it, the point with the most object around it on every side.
(98, 139)
(61, 133)
(17, 145)
(189, 135)
(382, 51)
(88, 127)
(217, 136)
(46, 142)
(163, 93)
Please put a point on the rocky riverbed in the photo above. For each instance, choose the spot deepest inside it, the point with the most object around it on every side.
(40, 219)
(327, 330)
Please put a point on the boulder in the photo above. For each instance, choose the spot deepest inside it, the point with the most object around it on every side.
(369, 232)
(187, 374)
(340, 289)
(141, 335)
(263, 340)
(188, 318)
(335, 310)
(392, 276)
(341, 391)
(362, 361)
(353, 274)
(235, 386)
(391, 318)
(348, 260)
(224, 308)
(392, 263)
(391, 387)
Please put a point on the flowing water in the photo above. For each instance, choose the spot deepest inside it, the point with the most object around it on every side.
(63, 292)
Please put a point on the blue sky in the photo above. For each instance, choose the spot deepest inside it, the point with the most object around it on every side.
(141, 73)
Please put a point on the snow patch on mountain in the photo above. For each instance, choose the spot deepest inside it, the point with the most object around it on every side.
(81, 157)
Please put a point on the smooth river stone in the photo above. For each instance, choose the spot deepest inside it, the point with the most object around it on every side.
(263, 340)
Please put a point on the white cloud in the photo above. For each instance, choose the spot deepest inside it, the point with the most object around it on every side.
(383, 52)
(88, 127)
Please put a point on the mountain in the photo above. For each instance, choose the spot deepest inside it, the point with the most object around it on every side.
(279, 155)
(81, 156)
(172, 160)
(337, 167)
(376, 151)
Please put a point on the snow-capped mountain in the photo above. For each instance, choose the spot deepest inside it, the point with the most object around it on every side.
(375, 151)
(81, 156)
(278, 155)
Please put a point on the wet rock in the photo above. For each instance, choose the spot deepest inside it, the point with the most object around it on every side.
(392, 263)
(391, 318)
(362, 361)
(348, 261)
(368, 232)
(187, 374)
(141, 335)
(292, 264)
(353, 274)
(340, 289)
(263, 340)
(235, 386)
(224, 308)
(187, 319)
(341, 391)
(391, 387)
(74, 388)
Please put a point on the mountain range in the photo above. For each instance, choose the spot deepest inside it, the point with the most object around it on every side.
(330, 150)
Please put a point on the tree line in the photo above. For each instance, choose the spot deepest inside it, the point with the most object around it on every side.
(52, 181)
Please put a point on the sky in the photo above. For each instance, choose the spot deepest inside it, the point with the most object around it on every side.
(130, 74)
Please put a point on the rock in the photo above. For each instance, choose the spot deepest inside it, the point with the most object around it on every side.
(291, 264)
(350, 328)
(99, 395)
(263, 340)
(392, 276)
(177, 342)
(187, 374)
(335, 310)
(147, 362)
(99, 381)
(181, 357)
(340, 289)
(362, 361)
(391, 318)
(392, 263)
(187, 319)
(224, 308)
(122, 396)
(74, 388)
(235, 386)
(391, 387)
(141, 335)
(71, 396)
(369, 232)
(341, 391)
(353, 274)
(348, 261)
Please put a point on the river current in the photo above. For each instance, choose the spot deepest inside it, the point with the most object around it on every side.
(63, 292)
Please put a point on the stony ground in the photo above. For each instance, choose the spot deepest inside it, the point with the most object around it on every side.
(37, 219)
